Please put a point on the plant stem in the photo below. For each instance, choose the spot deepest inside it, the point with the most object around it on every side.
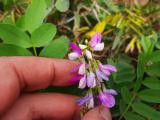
(34, 50)
(129, 105)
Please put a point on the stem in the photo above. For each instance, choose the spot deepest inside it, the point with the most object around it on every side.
(127, 108)
(34, 50)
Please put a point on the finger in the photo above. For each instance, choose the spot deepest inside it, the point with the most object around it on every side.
(98, 113)
(43, 106)
(30, 73)
(37, 72)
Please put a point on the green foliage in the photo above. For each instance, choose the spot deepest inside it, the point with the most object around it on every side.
(35, 14)
(125, 72)
(133, 116)
(150, 95)
(43, 35)
(12, 35)
(146, 111)
(10, 50)
(55, 49)
(62, 5)
(126, 95)
(152, 82)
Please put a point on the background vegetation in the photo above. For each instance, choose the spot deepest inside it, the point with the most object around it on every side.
(131, 31)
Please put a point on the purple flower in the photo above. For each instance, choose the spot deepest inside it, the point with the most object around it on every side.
(76, 51)
(76, 68)
(110, 91)
(101, 75)
(75, 48)
(107, 98)
(89, 54)
(91, 81)
(83, 100)
(76, 78)
(104, 71)
(82, 82)
(95, 42)
(88, 80)
(108, 67)
(82, 68)
(91, 102)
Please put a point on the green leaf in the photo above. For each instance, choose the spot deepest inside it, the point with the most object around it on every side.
(155, 56)
(49, 2)
(20, 23)
(146, 111)
(43, 35)
(126, 95)
(8, 20)
(152, 82)
(62, 5)
(125, 72)
(146, 44)
(35, 15)
(132, 116)
(153, 69)
(111, 6)
(122, 106)
(150, 95)
(8, 3)
(13, 50)
(140, 70)
(57, 49)
(12, 35)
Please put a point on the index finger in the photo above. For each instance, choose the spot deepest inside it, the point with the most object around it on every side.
(30, 73)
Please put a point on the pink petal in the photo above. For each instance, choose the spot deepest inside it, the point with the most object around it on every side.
(89, 54)
(73, 56)
(102, 75)
(105, 71)
(95, 39)
(82, 69)
(91, 81)
(76, 68)
(82, 82)
(107, 100)
(75, 79)
(75, 48)
(83, 100)
(110, 91)
(99, 47)
(91, 102)
(98, 75)
(109, 67)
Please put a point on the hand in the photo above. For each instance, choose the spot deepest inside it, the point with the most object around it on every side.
(21, 76)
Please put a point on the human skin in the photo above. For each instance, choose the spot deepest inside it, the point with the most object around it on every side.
(21, 77)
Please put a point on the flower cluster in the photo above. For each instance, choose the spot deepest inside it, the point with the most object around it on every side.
(92, 73)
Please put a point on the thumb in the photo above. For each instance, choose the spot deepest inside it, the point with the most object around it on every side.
(98, 113)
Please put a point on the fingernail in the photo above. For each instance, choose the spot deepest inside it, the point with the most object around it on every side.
(105, 114)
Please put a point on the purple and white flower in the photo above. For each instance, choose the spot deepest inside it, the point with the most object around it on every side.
(88, 80)
(95, 42)
(101, 76)
(76, 52)
(106, 98)
(91, 80)
(103, 72)
(83, 82)
(82, 68)
(89, 54)
(107, 68)
(84, 100)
